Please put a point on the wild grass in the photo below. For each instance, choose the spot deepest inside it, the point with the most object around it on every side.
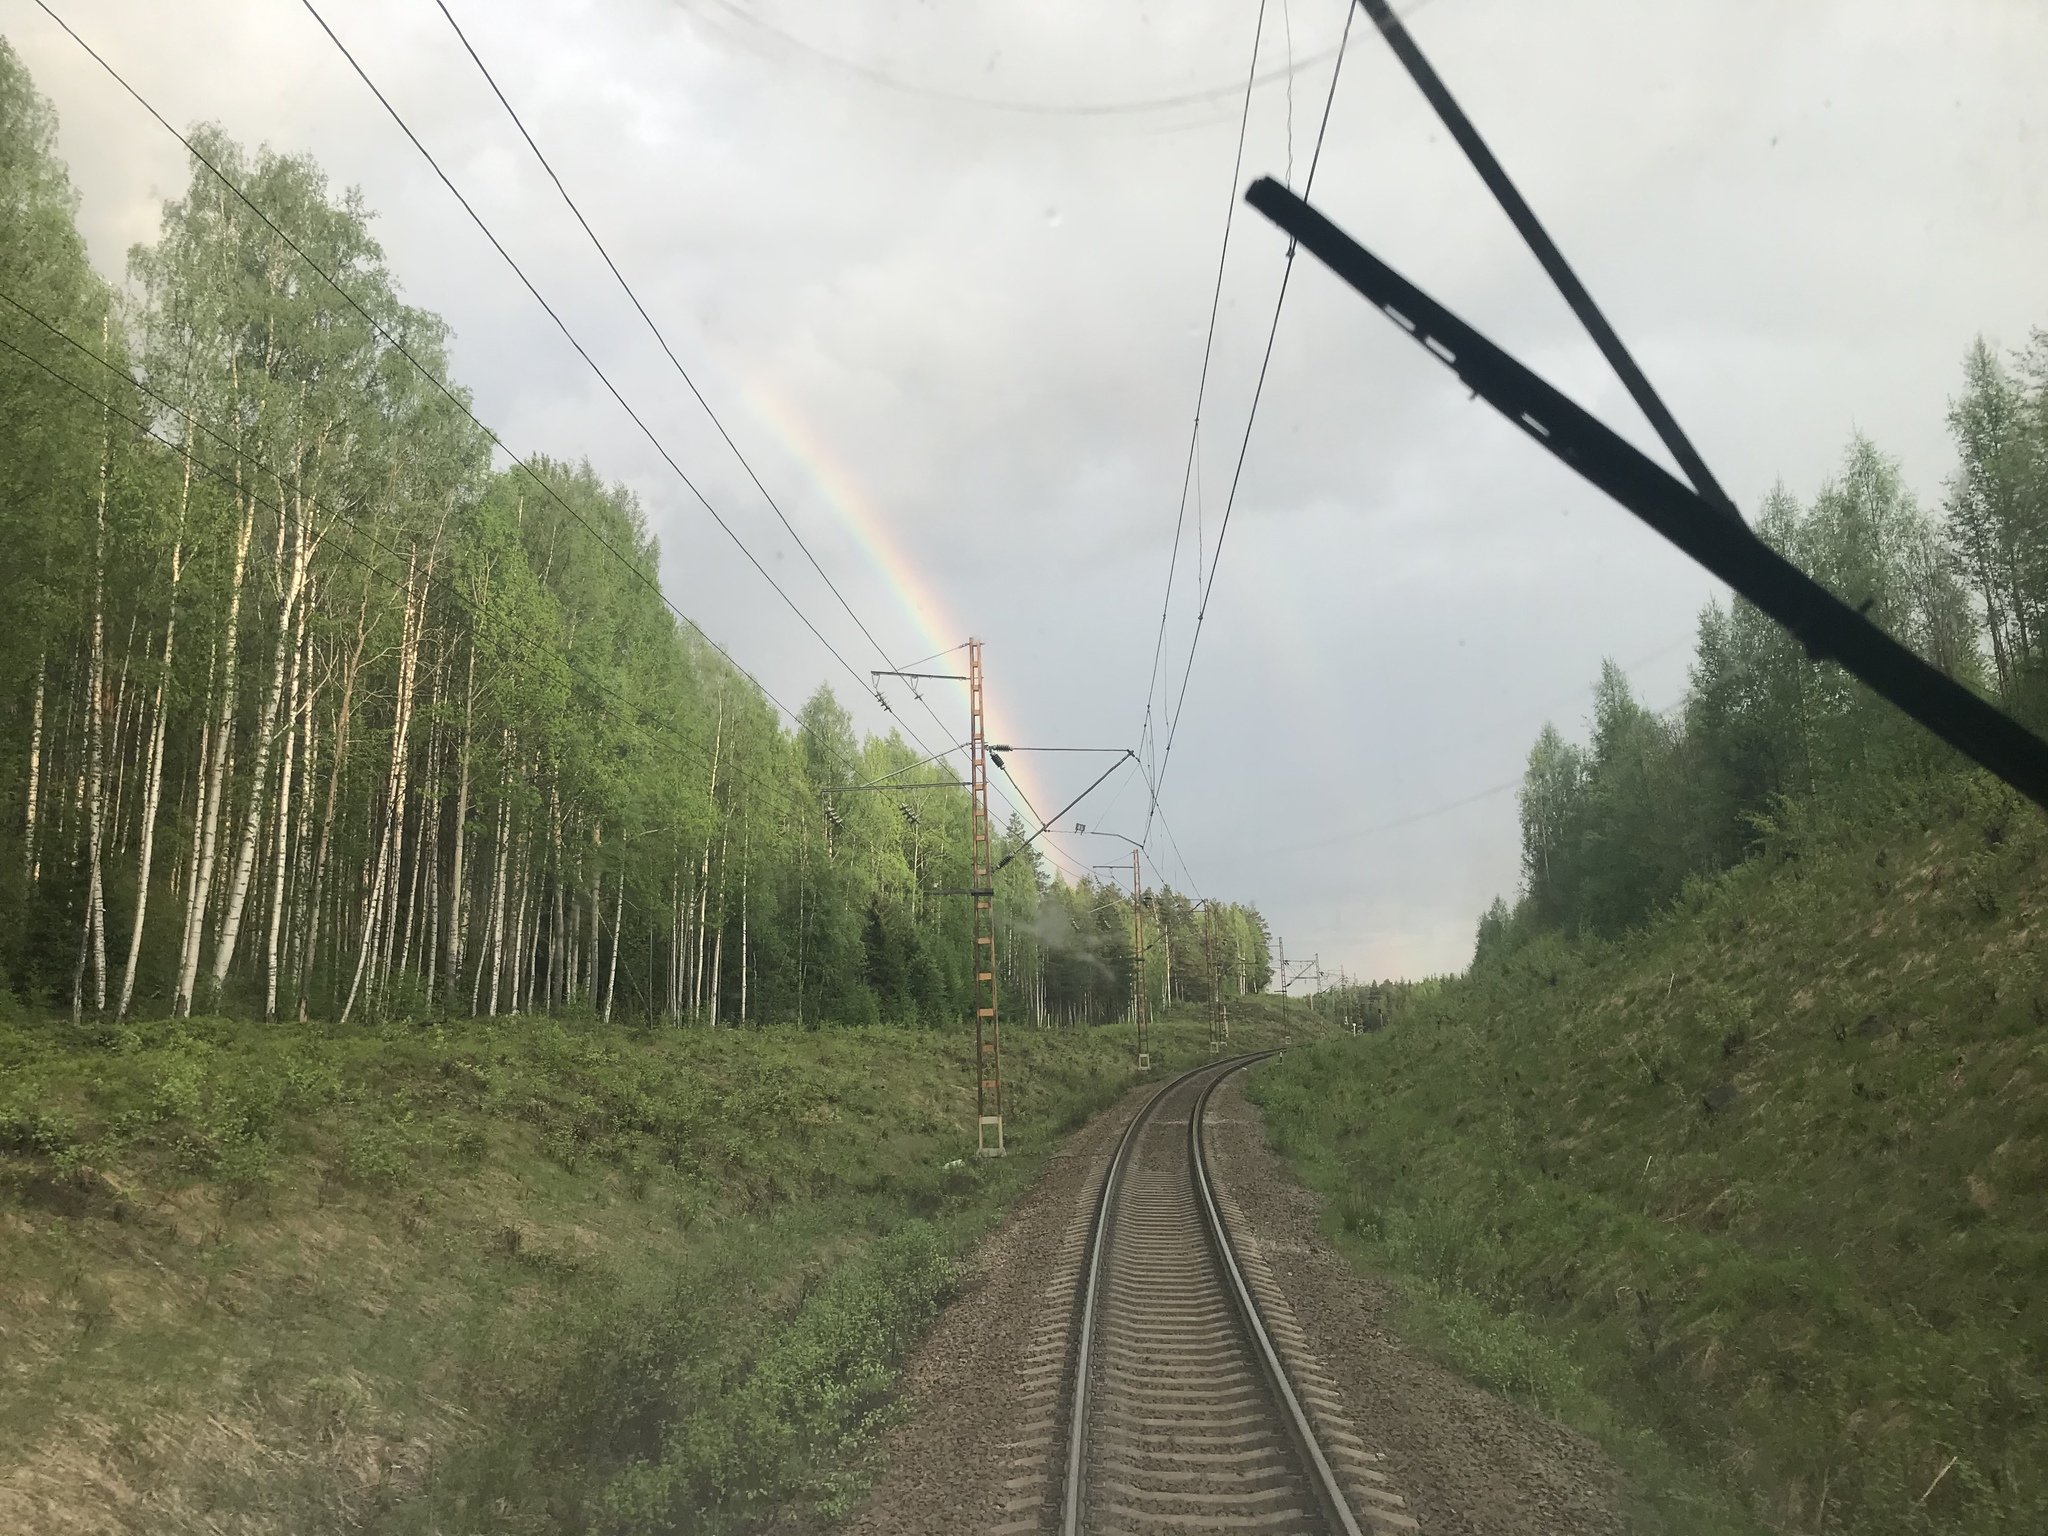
(1760, 1195)
(521, 1275)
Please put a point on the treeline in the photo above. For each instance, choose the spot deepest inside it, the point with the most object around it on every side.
(1612, 830)
(1077, 953)
(313, 710)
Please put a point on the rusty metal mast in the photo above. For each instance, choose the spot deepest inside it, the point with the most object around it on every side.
(988, 1047)
(1138, 993)
(1219, 1016)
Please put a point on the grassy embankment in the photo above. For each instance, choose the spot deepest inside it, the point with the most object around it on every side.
(516, 1276)
(1759, 1196)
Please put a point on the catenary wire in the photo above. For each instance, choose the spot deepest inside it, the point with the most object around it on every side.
(1066, 864)
(570, 336)
(1158, 781)
(654, 329)
(1145, 730)
(661, 339)
(1032, 108)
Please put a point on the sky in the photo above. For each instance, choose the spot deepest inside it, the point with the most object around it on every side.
(946, 273)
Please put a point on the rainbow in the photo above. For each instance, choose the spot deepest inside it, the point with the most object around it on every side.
(907, 583)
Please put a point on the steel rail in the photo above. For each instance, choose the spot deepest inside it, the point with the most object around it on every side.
(1091, 1289)
(1328, 1491)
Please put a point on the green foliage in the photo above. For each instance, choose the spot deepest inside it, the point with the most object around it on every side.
(1612, 830)
(1998, 510)
(516, 1275)
(383, 731)
(809, 1406)
(1756, 1193)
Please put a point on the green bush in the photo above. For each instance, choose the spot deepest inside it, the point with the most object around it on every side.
(807, 1408)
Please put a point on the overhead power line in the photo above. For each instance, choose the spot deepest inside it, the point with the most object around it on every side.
(1145, 730)
(1158, 781)
(660, 338)
(653, 329)
(603, 378)
(874, 76)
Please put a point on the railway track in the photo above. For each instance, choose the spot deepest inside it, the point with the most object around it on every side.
(1170, 1388)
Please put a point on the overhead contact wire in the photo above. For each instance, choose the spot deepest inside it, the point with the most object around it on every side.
(655, 330)
(1145, 730)
(676, 362)
(1251, 420)
(570, 336)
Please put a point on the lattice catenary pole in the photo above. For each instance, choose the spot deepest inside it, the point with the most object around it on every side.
(1138, 994)
(988, 1050)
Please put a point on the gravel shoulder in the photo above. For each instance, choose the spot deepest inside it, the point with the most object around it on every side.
(983, 1388)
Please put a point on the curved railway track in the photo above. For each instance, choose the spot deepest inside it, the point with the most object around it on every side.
(1191, 1401)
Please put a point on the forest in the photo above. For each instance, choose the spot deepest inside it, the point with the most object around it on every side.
(1613, 830)
(319, 702)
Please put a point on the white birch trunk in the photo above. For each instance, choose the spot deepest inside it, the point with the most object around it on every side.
(558, 992)
(516, 988)
(96, 729)
(717, 983)
(704, 872)
(284, 829)
(259, 771)
(611, 985)
(394, 797)
(152, 791)
(35, 767)
(458, 882)
(119, 745)
(596, 906)
(423, 843)
(498, 902)
(344, 714)
(213, 789)
(746, 859)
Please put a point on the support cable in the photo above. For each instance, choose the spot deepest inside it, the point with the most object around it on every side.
(662, 341)
(1066, 864)
(1158, 778)
(1046, 825)
(570, 336)
(655, 330)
